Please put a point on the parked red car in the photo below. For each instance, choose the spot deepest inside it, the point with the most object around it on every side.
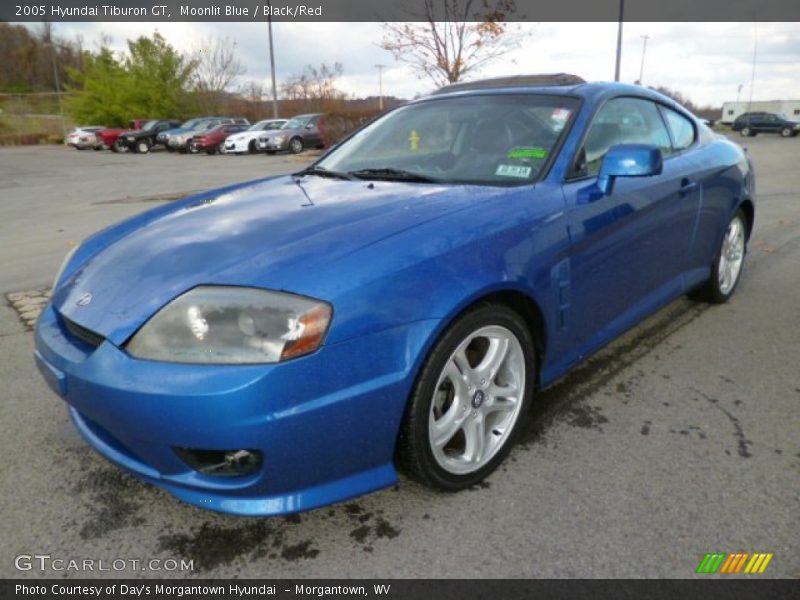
(106, 138)
(212, 141)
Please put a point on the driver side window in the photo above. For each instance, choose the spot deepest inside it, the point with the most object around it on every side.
(620, 121)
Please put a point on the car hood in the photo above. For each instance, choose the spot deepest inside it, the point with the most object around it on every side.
(244, 135)
(277, 234)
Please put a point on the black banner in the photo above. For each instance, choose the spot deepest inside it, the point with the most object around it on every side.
(397, 589)
(391, 10)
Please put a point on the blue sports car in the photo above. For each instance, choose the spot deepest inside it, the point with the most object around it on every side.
(281, 344)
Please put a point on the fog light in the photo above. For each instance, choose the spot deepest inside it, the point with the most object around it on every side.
(222, 463)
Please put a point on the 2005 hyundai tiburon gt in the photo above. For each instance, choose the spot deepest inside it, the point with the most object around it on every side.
(281, 344)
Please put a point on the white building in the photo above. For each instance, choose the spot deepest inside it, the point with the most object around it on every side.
(788, 108)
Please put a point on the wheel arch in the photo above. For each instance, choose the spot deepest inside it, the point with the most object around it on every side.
(519, 301)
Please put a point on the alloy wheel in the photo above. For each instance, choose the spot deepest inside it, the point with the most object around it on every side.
(731, 256)
(477, 400)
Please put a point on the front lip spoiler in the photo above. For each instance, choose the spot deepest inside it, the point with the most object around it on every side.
(340, 490)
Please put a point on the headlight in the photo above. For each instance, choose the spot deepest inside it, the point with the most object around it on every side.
(64, 264)
(232, 325)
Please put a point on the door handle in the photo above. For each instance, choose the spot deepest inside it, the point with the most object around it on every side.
(687, 186)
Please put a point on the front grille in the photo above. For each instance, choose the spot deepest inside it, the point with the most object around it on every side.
(87, 336)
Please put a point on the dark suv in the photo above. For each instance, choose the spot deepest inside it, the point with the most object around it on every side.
(143, 139)
(752, 123)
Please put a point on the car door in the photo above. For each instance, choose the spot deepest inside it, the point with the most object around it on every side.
(628, 247)
(311, 134)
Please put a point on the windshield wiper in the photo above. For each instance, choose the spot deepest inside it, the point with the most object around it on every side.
(390, 174)
(323, 172)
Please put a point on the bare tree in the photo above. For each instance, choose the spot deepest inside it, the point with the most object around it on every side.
(217, 66)
(453, 38)
(315, 86)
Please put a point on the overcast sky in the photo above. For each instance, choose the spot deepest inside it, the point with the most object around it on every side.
(705, 61)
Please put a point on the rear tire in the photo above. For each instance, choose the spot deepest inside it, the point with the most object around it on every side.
(470, 400)
(746, 132)
(726, 270)
(119, 146)
(251, 147)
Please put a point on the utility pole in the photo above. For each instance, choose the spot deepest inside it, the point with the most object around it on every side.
(619, 38)
(272, 65)
(52, 45)
(645, 37)
(380, 85)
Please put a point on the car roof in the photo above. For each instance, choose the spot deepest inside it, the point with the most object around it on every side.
(559, 84)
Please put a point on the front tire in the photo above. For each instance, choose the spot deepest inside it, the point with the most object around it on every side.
(119, 146)
(469, 400)
(142, 147)
(746, 132)
(726, 270)
(786, 132)
(295, 145)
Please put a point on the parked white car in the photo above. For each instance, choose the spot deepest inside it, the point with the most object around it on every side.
(84, 137)
(247, 141)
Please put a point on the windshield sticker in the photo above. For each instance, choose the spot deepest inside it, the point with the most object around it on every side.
(513, 171)
(413, 140)
(528, 153)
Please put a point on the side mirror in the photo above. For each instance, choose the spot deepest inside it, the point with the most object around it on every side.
(628, 160)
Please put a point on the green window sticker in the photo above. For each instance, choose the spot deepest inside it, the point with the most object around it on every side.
(513, 171)
(528, 153)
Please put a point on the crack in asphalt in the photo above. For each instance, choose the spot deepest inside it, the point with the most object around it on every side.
(743, 444)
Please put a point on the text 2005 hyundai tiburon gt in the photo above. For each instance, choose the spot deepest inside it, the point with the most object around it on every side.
(282, 344)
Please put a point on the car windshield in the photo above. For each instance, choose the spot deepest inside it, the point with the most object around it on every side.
(296, 123)
(486, 139)
(149, 125)
(205, 125)
(274, 125)
(262, 126)
(190, 123)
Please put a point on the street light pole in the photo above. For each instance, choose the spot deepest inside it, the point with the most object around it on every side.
(644, 50)
(272, 66)
(619, 38)
(380, 85)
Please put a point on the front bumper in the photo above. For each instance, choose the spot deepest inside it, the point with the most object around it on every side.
(270, 144)
(326, 423)
(239, 146)
(178, 143)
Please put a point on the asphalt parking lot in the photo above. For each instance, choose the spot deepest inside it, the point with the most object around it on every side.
(681, 438)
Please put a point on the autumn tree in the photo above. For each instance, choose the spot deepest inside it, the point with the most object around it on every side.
(451, 39)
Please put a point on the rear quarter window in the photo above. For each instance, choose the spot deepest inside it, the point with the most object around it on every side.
(681, 128)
